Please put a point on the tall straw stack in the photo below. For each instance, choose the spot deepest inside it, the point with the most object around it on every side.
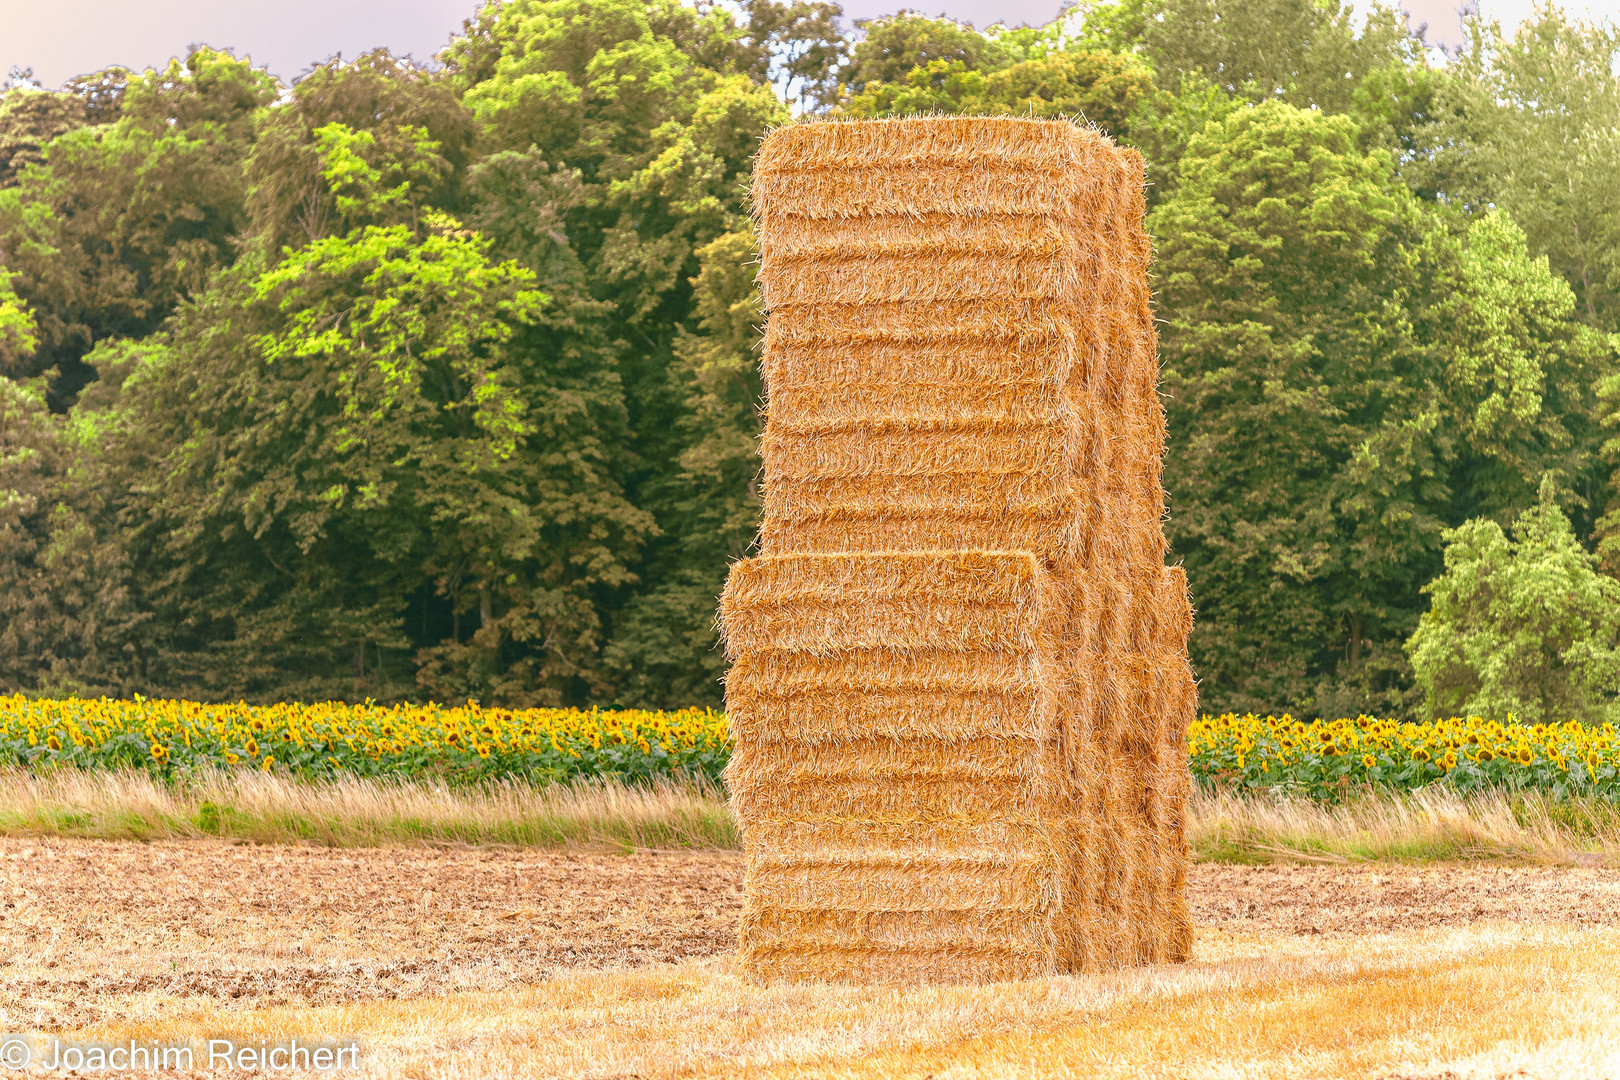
(959, 684)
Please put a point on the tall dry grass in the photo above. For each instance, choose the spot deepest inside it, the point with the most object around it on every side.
(354, 812)
(1430, 824)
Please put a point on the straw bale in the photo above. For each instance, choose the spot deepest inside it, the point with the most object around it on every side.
(897, 190)
(974, 377)
(750, 777)
(865, 527)
(859, 671)
(982, 493)
(918, 144)
(835, 710)
(927, 236)
(837, 836)
(828, 627)
(877, 279)
(916, 405)
(1176, 614)
(901, 883)
(826, 332)
(894, 758)
(959, 680)
(984, 577)
(885, 451)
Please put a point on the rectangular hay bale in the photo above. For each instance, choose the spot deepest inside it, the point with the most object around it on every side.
(958, 685)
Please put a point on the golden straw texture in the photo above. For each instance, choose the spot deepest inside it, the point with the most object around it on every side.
(959, 684)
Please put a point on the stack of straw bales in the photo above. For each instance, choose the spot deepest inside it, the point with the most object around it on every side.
(959, 683)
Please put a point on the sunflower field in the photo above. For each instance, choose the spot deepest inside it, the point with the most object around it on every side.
(1324, 758)
(463, 742)
(1317, 758)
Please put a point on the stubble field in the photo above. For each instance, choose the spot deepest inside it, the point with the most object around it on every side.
(502, 962)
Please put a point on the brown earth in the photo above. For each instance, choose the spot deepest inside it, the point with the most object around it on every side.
(95, 931)
(1386, 897)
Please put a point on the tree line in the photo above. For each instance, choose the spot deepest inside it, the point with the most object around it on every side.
(440, 380)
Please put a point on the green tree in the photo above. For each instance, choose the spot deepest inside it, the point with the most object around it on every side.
(31, 465)
(67, 622)
(1111, 25)
(805, 47)
(1395, 106)
(636, 126)
(651, 105)
(18, 337)
(29, 120)
(390, 121)
(374, 466)
(121, 221)
(1524, 626)
(1107, 89)
(1521, 374)
(893, 47)
(1169, 124)
(1306, 465)
(1531, 124)
(1304, 52)
(665, 649)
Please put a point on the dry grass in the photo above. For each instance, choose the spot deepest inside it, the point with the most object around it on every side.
(1246, 1006)
(355, 812)
(352, 812)
(1433, 824)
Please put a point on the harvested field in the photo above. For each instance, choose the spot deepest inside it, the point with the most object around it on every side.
(486, 961)
(95, 930)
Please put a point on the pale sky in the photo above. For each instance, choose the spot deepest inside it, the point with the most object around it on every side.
(63, 38)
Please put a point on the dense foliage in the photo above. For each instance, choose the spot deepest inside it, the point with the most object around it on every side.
(426, 382)
(1522, 627)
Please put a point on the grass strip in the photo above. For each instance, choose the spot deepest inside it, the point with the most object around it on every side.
(253, 806)
(1432, 824)
(1428, 825)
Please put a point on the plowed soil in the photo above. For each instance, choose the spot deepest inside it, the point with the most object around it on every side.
(95, 931)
